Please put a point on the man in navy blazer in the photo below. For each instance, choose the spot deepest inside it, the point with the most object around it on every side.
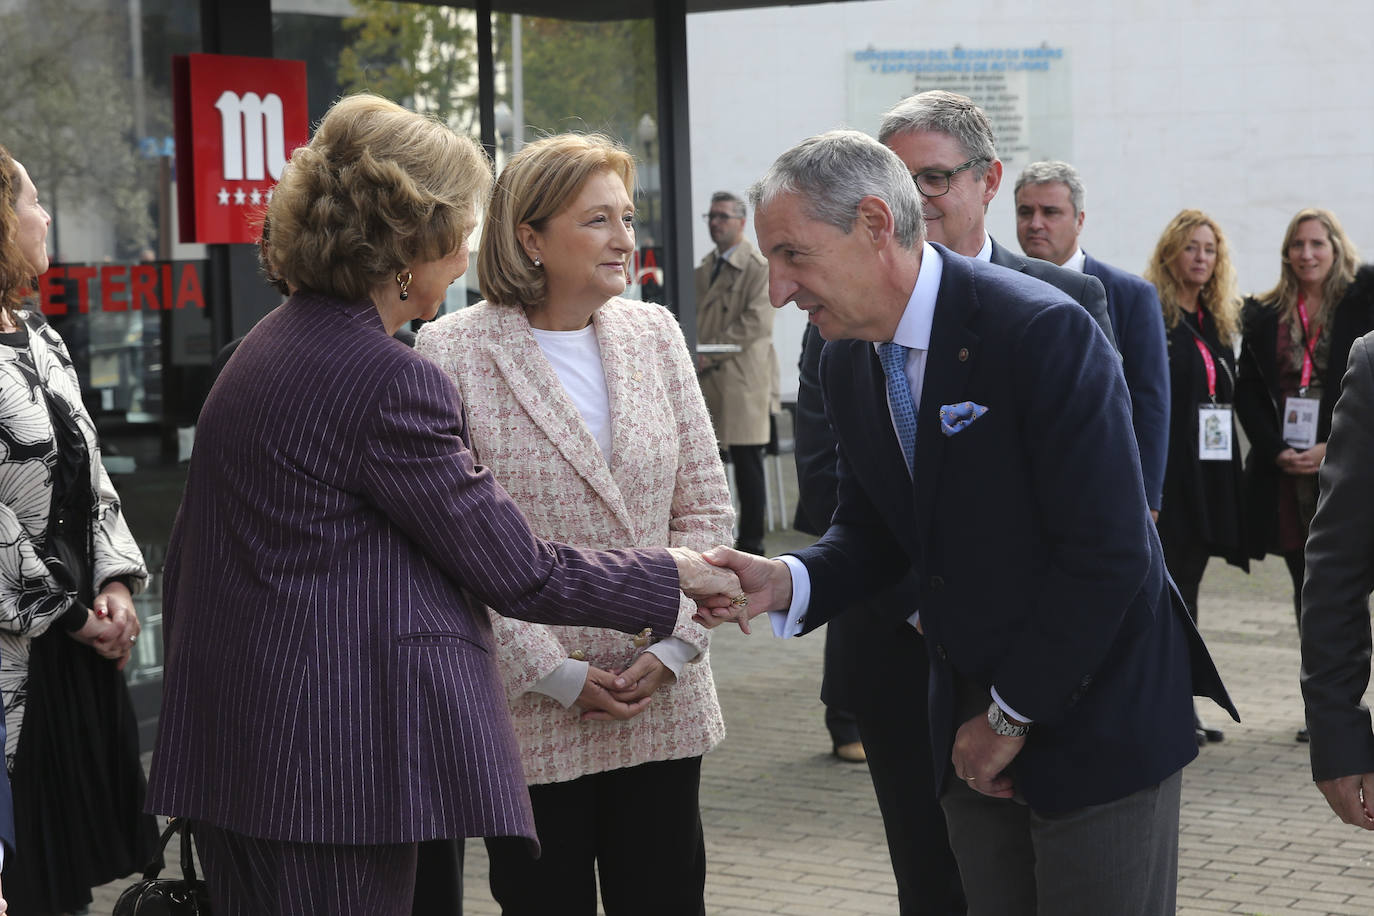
(1004, 474)
(876, 665)
(1049, 219)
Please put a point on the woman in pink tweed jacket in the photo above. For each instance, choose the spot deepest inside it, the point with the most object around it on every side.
(587, 409)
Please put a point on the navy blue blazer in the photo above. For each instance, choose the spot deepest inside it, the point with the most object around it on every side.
(1138, 322)
(1038, 569)
(1082, 288)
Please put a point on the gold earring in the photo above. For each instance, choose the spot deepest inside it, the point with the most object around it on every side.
(405, 285)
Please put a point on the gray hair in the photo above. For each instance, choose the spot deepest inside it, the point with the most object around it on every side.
(741, 211)
(1050, 171)
(949, 113)
(834, 171)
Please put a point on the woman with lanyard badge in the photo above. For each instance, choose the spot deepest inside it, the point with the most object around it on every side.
(1200, 514)
(1295, 342)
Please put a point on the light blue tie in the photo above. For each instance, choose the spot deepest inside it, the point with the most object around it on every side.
(893, 358)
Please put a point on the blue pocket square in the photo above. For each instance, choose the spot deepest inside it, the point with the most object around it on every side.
(954, 417)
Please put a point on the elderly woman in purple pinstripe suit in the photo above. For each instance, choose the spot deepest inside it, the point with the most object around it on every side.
(331, 697)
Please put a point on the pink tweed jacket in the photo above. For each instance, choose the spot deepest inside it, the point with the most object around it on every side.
(664, 486)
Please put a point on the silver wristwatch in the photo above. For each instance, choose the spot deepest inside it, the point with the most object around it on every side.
(1003, 726)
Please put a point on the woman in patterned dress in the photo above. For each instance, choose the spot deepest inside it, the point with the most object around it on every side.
(586, 407)
(68, 570)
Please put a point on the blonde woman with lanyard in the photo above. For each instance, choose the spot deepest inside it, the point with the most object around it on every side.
(1295, 342)
(1200, 513)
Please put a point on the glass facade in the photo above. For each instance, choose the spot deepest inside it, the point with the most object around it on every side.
(90, 115)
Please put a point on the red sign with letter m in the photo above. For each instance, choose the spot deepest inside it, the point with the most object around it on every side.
(237, 121)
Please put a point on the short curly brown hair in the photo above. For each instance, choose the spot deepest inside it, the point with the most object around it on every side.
(16, 274)
(377, 189)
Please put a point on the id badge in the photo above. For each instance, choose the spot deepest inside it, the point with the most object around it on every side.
(1214, 432)
(1300, 422)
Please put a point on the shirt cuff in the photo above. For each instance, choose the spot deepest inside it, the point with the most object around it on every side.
(674, 653)
(787, 625)
(564, 684)
(996, 698)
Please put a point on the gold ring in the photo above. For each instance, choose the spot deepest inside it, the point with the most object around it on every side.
(740, 600)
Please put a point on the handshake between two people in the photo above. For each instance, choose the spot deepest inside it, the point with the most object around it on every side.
(729, 585)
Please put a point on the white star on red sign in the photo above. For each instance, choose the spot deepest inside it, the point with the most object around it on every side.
(255, 197)
(239, 197)
(223, 197)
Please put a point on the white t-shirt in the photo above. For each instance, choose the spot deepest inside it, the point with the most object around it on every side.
(576, 357)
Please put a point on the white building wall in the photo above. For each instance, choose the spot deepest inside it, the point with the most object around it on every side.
(1247, 109)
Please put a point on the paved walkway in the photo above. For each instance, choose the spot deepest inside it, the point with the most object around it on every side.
(791, 830)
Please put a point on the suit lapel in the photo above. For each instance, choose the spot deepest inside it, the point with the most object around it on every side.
(539, 392)
(954, 348)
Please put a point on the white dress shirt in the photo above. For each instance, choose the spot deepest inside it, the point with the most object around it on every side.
(1076, 261)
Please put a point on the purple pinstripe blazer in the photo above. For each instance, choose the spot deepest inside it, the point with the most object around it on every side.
(329, 674)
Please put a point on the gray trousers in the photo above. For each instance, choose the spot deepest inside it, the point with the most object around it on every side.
(1115, 859)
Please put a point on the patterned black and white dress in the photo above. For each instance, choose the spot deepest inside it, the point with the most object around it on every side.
(71, 738)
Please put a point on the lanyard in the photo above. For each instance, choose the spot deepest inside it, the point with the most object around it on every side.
(1211, 369)
(1206, 352)
(1306, 347)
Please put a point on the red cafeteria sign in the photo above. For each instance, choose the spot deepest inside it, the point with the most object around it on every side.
(237, 121)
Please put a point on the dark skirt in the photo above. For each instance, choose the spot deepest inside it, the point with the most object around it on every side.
(78, 782)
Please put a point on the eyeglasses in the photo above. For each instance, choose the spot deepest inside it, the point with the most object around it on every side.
(935, 182)
(717, 217)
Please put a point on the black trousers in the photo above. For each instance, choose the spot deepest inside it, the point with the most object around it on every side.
(751, 488)
(895, 730)
(1296, 561)
(639, 828)
(1186, 559)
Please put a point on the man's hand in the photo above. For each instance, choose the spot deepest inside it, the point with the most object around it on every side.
(767, 584)
(637, 682)
(599, 704)
(1351, 797)
(981, 757)
(700, 580)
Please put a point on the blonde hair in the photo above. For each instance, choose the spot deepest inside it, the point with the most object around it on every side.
(1219, 295)
(1345, 260)
(378, 188)
(537, 183)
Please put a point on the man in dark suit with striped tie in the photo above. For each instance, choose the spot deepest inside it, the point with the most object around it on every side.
(972, 453)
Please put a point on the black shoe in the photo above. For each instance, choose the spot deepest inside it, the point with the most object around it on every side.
(1301, 737)
(1205, 734)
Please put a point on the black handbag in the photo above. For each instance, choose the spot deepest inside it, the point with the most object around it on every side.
(154, 896)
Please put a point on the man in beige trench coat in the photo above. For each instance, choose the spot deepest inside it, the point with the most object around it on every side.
(740, 386)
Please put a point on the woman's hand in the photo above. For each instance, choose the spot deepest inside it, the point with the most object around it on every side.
(640, 680)
(104, 637)
(1292, 461)
(701, 580)
(600, 704)
(116, 604)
